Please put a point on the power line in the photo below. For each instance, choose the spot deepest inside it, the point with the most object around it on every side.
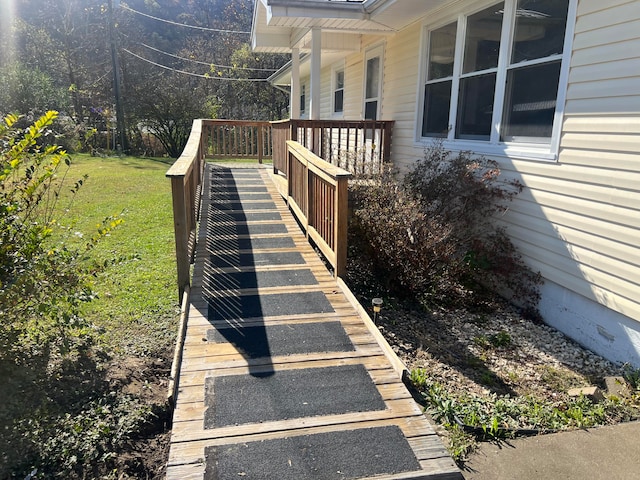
(208, 77)
(206, 63)
(182, 24)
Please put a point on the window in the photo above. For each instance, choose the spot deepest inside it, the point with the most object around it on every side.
(437, 91)
(373, 83)
(492, 76)
(303, 98)
(338, 91)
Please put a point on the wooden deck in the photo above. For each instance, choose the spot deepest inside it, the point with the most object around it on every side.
(248, 243)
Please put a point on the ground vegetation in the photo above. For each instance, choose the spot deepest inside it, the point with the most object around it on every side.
(86, 325)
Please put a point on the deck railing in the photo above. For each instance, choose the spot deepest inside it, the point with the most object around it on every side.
(358, 146)
(280, 133)
(227, 139)
(318, 196)
(186, 179)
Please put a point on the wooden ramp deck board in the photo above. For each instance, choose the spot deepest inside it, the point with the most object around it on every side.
(252, 258)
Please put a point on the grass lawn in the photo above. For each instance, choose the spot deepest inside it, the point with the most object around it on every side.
(137, 302)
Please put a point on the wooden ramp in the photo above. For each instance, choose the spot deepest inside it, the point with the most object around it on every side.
(281, 378)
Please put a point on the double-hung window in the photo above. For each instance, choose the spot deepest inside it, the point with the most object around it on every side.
(492, 76)
(338, 91)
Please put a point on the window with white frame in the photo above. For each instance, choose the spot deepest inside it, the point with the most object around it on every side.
(338, 91)
(493, 76)
(372, 83)
(303, 98)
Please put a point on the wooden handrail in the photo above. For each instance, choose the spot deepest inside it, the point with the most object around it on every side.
(186, 182)
(358, 146)
(318, 196)
(224, 139)
(280, 134)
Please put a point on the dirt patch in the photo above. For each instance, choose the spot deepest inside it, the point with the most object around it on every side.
(147, 379)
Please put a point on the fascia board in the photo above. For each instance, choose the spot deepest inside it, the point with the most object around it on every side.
(283, 75)
(315, 9)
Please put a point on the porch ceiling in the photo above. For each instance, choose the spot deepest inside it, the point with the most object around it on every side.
(279, 25)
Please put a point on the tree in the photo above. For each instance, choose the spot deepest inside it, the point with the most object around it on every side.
(257, 100)
(165, 106)
(27, 89)
(64, 47)
(73, 35)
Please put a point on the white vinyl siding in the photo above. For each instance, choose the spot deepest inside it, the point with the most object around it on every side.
(353, 74)
(578, 221)
(325, 93)
(399, 91)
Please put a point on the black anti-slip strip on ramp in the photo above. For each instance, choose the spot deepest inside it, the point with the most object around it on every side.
(215, 244)
(298, 393)
(252, 306)
(238, 196)
(280, 340)
(256, 259)
(340, 455)
(222, 216)
(239, 189)
(243, 205)
(245, 229)
(267, 279)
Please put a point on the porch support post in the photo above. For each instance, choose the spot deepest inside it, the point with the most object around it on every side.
(316, 44)
(294, 101)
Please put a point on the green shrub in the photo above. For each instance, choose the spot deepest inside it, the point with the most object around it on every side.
(434, 234)
(52, 408)
(42, 282)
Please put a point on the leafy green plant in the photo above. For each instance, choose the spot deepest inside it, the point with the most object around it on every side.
(501, 339)
(73, 445)
(494, 416)
(58, 417)
(632, 375)
(41, 286)
(460, 443)
(481, 341)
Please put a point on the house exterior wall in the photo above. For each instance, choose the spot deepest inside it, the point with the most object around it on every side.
(592, 196)
(578, 220)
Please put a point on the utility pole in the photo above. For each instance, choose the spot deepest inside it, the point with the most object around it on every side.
(120, 123)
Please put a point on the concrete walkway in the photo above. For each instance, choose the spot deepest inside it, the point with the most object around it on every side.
(605, 453)
(282, 376)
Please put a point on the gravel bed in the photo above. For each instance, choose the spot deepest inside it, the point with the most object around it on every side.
(496, 351)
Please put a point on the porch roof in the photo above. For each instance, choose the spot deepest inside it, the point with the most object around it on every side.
(280, 25)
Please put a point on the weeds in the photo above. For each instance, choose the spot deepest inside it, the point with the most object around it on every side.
(74, 444)
(502, 339)
(495, 416)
